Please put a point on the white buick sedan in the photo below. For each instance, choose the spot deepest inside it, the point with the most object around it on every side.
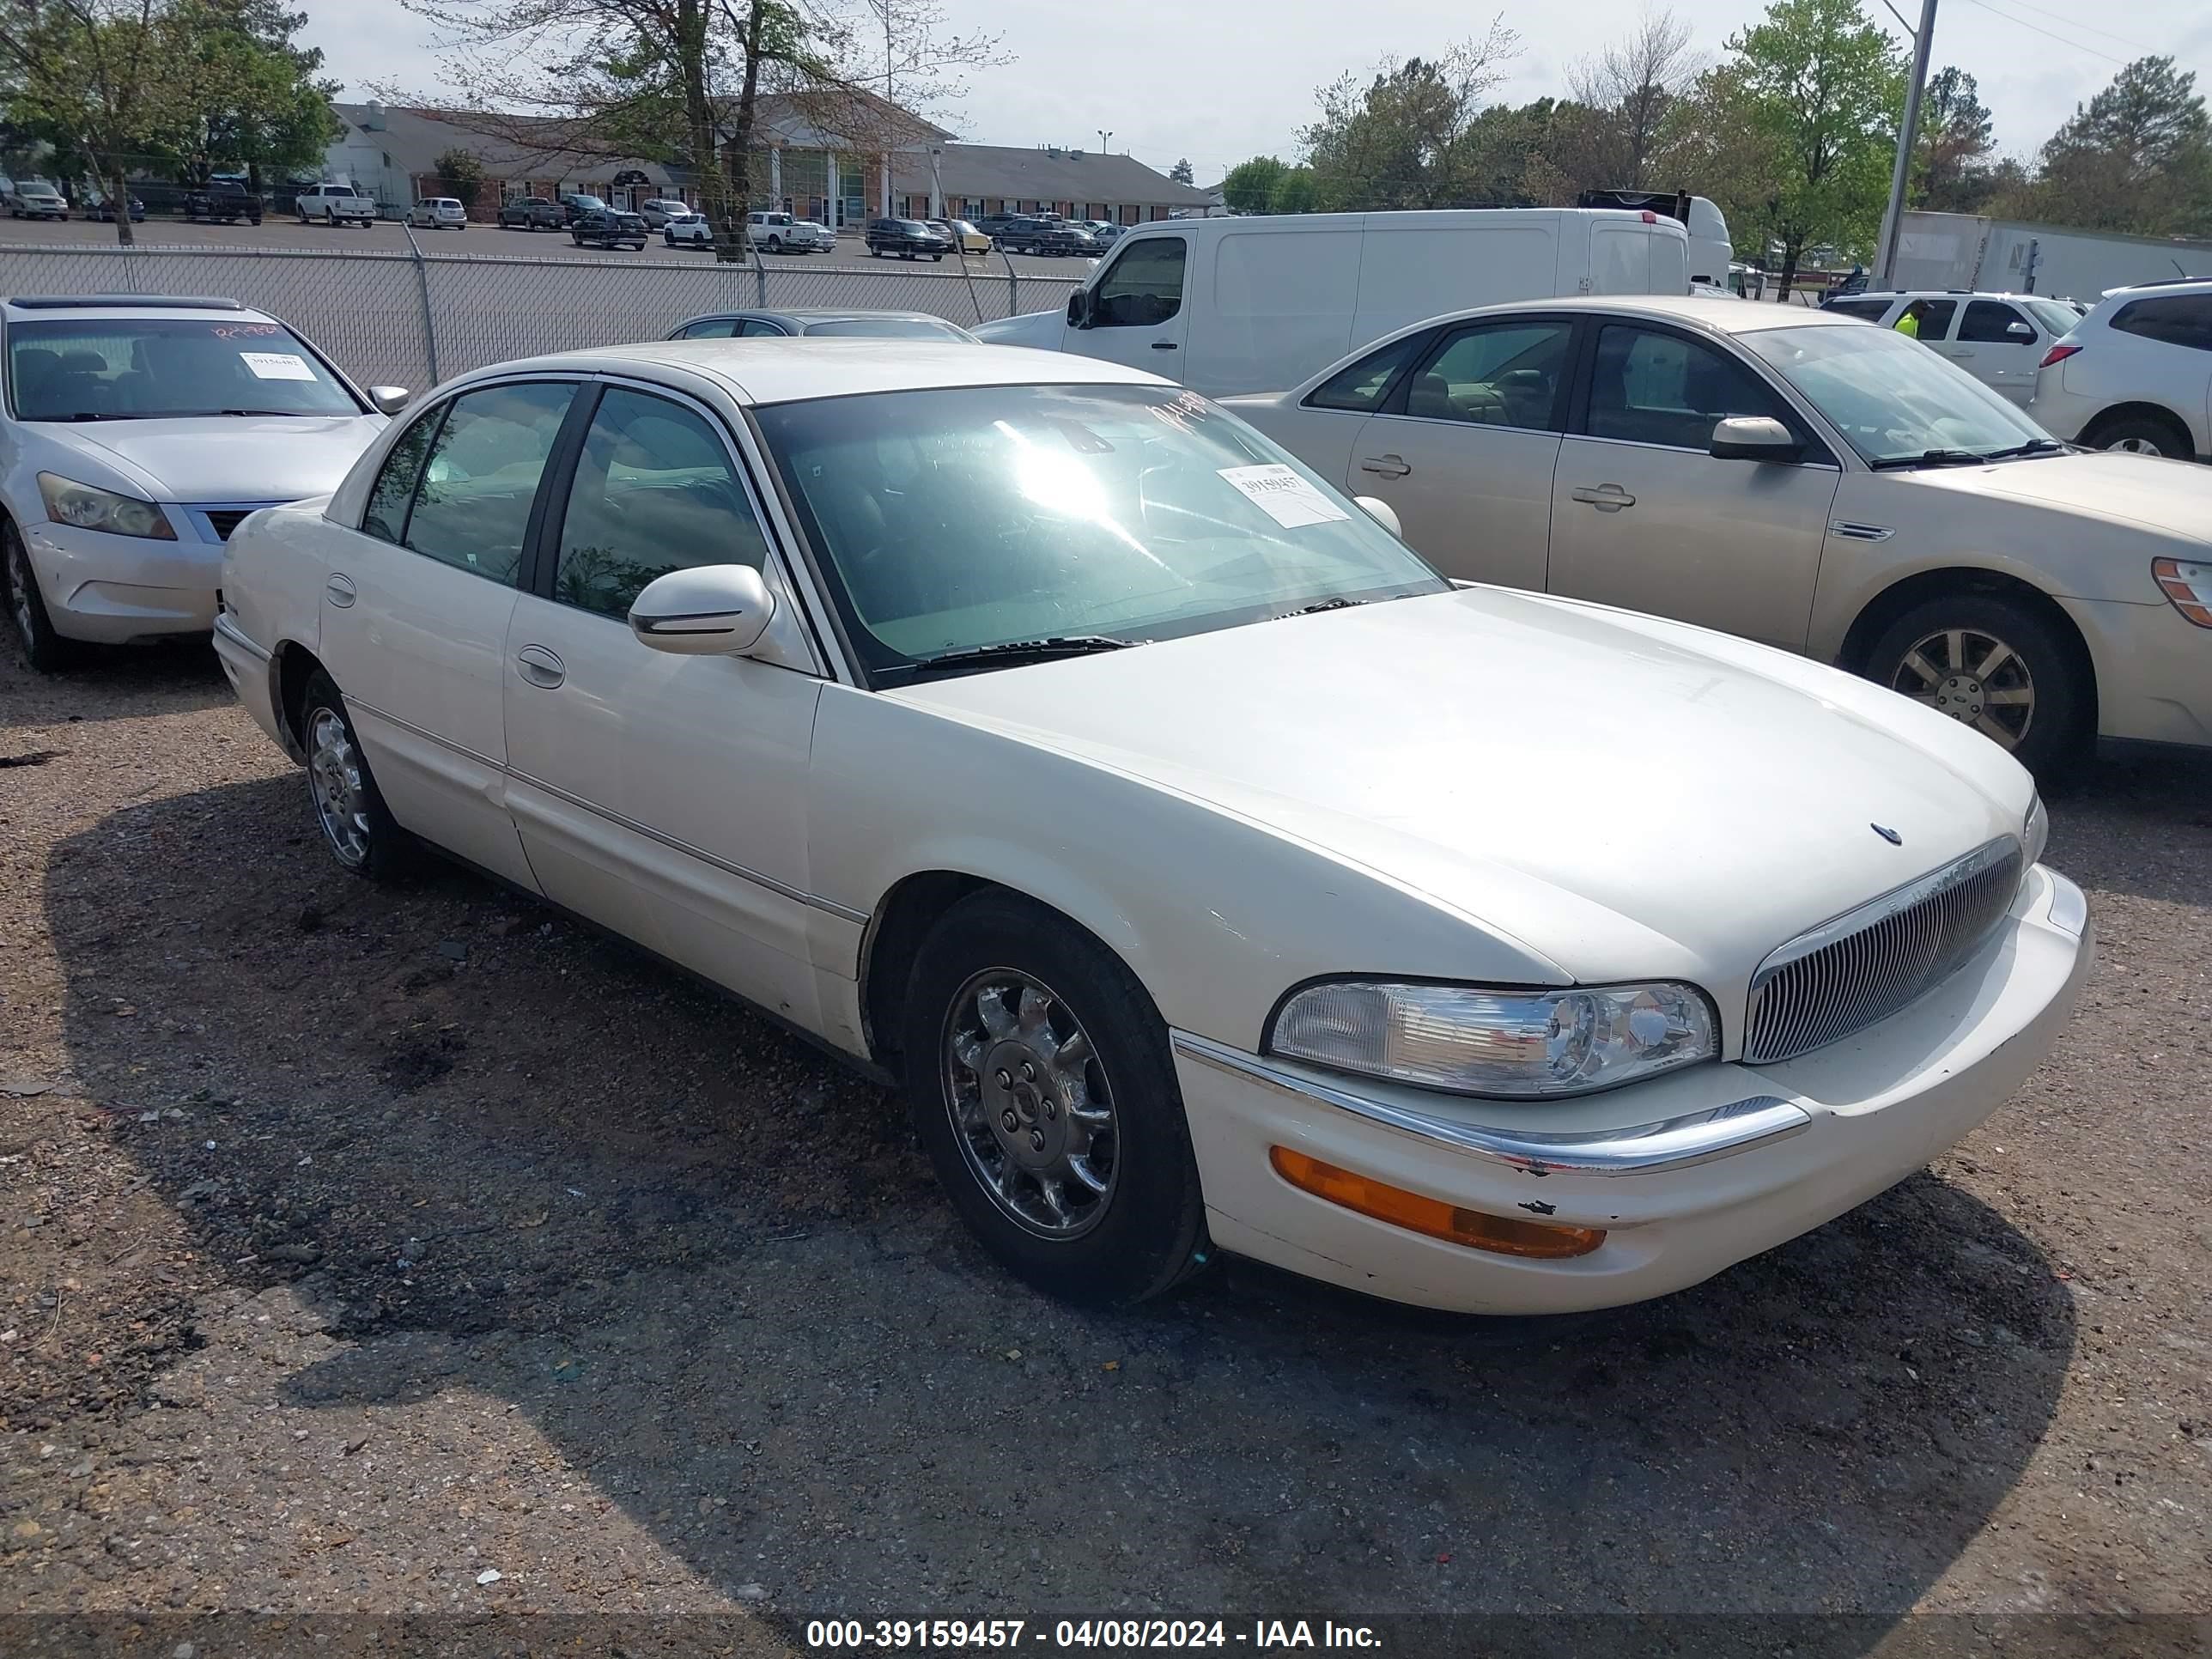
(1210, 874)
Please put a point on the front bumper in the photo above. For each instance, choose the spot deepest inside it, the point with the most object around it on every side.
(112, 590)
(2153, 670)
(1687, 1175)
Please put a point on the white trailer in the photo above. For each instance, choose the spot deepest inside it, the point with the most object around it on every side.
(1974, 253)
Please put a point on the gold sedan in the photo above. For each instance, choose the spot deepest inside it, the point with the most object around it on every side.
(970, 239)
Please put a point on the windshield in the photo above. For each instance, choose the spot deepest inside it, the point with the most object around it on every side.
(979, 516)
(1892, 398)
(2056, 318)
(152, 369)
(889, 328)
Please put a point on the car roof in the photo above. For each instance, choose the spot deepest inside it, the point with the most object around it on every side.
(2164, 285)
(818, 314)
(778, 371)
(1729, 316)
(137, 307)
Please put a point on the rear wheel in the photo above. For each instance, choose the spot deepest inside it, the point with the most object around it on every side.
(2142, 435)
(1038, 1075)
(42, 648)
(350, 810)
(1993, 664)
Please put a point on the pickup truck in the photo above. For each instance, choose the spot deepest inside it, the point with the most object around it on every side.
(222, 202)
(335, 204)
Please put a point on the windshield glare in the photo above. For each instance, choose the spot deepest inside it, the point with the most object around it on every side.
(1892, 398)
(153, 368)
(980, 516)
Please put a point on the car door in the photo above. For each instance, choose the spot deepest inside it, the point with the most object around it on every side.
(1464, 445)
(1996, 343)
(1320, 428)
(416, 601)
(1138, 316)
(1643, 516)
(662, 796)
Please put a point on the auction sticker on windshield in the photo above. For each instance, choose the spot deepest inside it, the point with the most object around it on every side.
(1283, 496)
(288, 366)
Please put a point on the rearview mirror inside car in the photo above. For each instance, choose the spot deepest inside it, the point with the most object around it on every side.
(1754, 438)
(1381, 512)
(708, 611)
(389, 399)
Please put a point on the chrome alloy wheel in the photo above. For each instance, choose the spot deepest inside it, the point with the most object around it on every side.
(337, 787)
(19, 594)
(1031, 1104)
(1975, 678)
(2134, 447)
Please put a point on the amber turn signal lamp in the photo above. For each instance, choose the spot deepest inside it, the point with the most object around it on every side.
(1540, 1240)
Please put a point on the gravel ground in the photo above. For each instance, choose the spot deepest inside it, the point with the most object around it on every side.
(415, 1254)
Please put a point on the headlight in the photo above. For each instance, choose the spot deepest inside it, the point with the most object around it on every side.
(72, 503)
(2035, 834)
(2188, 585)
(1519, 1044)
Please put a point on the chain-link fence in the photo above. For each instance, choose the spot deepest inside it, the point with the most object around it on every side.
(413, 320)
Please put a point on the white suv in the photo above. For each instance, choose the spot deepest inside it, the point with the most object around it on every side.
(137, 433)
(2135, 373)
(1999, 338)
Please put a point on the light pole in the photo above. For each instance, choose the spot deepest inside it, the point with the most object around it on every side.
(1892, 218)
(1104, 133)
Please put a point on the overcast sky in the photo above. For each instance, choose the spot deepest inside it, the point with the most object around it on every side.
(1220, 80)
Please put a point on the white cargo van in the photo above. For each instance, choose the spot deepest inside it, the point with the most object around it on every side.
(1256, 304)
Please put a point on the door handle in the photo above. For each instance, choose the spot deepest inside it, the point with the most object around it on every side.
(1960, 351)
(338, 589)
(1164, 345)
(1605, 498)
(540, 666)
(1386, 466)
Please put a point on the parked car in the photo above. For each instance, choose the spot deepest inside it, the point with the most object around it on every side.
(1105, 232)
(139, 432)
(781, 233)
(439, 213)
(658, 212)
(1999, 338)
(220, 202)
(688, 230)
(909, 238)
(605, 228)
(1208, 948)
(2135, 375)
(574, 206)
(1257, 304)
(1796, 478)
(876, 324)
(102, 208)
(530, 213)
(35, 199)
(335, 205)
(962, 235)
(1037, 235)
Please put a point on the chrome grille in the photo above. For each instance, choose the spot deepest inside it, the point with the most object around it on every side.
(1865, 965)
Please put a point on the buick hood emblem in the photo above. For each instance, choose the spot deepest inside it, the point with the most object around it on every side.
(1887, 833)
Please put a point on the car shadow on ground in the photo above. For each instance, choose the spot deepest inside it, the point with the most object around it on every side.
(512, 1157)
(2150, 814)
(111, 683)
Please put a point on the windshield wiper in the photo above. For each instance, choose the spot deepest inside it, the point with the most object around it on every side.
(301, 413)
(1014, 651)
(1929, 457)
(1338, 602)
(2033, 446)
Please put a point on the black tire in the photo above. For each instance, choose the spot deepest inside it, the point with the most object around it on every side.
(2142, 433)
(2043, 660)
(42, 649)
(936, 258)
(387, 851)
(1147, 1231)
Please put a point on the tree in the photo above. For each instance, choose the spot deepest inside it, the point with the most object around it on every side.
(1396, 142)
(681, 81)
(1630, 87)
(1710, 136)
(1249, 187)
(1181, 172)
(239, 95)
(462, 174)
(1824, 87)
(2137, 157)
(85, 77)
(1295, 192)
(1952, 157)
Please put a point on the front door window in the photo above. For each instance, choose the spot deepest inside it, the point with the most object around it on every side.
(1144, 287)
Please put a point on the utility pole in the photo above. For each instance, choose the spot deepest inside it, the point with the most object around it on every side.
(1892, 218)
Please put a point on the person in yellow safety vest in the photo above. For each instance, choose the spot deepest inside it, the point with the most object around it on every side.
(1909, 324)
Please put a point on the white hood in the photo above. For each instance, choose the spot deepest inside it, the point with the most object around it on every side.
(1041, 329)
(1552, 769)
(241, 459)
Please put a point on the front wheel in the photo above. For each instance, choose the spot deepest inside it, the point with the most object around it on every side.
(356, 825)
(43, 649)
(1991, 663)
(1039, 1080)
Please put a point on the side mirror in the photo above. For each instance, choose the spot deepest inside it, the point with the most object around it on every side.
(1754, 438)
(2019, 331)
(1380, 511)
(389, 399)
(1079, 308)
(708, 611)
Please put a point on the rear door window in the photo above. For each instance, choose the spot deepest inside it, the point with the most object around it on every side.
(1361, 387)
(2182, 319)
(1988, 322)
(1498, 374)
(473, 509)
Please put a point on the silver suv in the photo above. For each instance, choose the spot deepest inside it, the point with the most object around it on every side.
(2135, 373)
(1999, 338)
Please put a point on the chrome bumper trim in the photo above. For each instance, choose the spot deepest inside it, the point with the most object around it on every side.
(1674, 1143)
(230, 631)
